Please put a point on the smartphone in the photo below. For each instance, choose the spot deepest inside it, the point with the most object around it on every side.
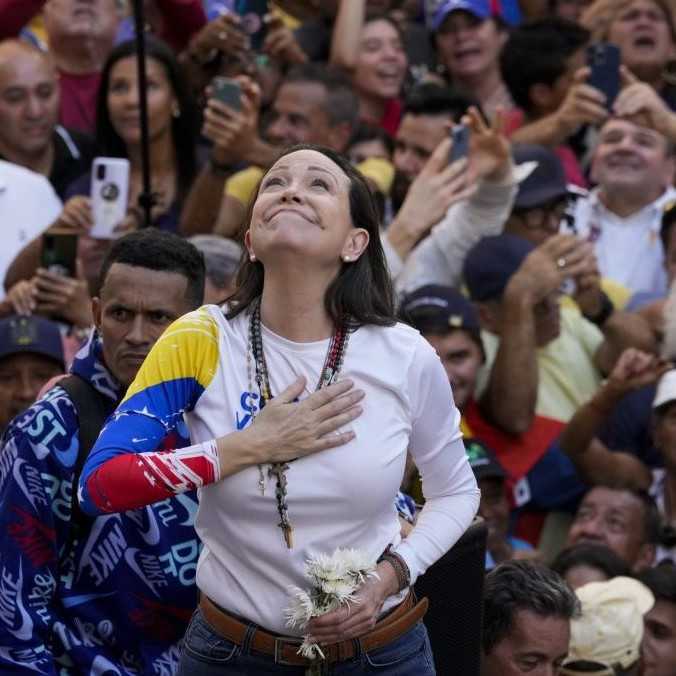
(603, 58)
(109, 195)
(460, 147)
(227, 91)
(59, 253)
(252, 13)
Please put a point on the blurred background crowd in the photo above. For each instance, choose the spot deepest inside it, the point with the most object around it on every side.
(522, 156)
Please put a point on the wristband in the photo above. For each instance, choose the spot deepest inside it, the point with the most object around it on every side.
(400, 568)
(607, 309)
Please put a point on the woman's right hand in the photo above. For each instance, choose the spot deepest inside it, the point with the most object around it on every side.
(75, 219)
(287, 429)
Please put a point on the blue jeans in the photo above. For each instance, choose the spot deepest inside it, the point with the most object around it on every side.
(205, 653)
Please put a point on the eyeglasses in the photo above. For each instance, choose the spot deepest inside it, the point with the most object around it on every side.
(547, 217)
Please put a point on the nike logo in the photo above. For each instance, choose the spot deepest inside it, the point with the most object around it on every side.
(72, 601)
(68, 457)
(129, 557)
(18, 477)
(151, 534)
(33, 665)
(25, 631)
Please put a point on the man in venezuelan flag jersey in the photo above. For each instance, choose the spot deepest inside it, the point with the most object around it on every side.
(110, 595)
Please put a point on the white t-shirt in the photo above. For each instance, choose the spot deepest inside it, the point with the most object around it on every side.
(342, 497)
(629, 250)
(28, 206)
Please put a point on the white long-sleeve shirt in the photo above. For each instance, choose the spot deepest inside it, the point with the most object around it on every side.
(439, 258)
(343, 497)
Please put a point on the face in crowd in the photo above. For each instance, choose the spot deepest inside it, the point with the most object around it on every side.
(632, 160)
(642, 31)
(29, 101)
(124, 106)
(22, 376)
(534, 645)
(381, 61)
(134, 307)
(462, 358)
(616, 519)
(469, 47)
(67, 20)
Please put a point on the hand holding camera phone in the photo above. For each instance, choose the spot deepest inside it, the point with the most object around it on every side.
(109, 195)
(227, 91)
(460, 148)
(603, 59)
(59, 254)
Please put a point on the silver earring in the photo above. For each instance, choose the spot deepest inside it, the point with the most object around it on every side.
(347, 259)
(252, 257)
(176, 111)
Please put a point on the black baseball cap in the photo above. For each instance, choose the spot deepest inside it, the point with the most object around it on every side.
(432, 308)
(33, 334)
(546, 183)
(482, 460)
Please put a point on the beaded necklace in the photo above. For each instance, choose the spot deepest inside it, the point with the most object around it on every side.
(329, 375)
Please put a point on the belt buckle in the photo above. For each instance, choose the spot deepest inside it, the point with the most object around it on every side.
(279, 648)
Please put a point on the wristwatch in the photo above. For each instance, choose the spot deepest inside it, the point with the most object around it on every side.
(607, 309)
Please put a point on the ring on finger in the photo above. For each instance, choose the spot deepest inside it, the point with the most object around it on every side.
(561, 262)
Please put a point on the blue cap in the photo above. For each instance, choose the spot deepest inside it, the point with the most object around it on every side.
(546, 183)
(481, 9)
(432, 307)
(491, 263)
(34, 334)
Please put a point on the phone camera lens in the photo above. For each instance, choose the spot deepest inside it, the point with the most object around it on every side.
(101, 172)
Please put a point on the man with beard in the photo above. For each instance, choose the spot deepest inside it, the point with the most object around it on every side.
(634, 169)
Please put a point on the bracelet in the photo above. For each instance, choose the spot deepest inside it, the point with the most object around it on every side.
(400, 567)
(607, 309)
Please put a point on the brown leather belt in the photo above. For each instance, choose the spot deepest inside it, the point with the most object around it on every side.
(285, 649)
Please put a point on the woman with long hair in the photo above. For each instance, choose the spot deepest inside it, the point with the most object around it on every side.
(313, 306)
(171, 132)
(371, 49)
(172, 143)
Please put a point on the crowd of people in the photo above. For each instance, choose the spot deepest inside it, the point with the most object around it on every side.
(402, 262)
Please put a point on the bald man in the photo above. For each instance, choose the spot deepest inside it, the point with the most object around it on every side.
(29, 110)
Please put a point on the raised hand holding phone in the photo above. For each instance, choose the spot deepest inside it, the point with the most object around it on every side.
(603, 59)
(109, 196)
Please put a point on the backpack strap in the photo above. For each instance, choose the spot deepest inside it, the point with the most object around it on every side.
(93, 409)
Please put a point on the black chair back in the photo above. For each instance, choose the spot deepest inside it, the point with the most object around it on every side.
(454, 586)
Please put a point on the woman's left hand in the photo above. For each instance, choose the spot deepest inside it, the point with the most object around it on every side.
(359, 618)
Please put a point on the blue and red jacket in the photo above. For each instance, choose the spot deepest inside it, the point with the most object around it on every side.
(115, 600)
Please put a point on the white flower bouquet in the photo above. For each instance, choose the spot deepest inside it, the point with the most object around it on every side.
(333, 582)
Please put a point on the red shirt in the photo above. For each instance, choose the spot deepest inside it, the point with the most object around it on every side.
(391, 117)
(78, 101)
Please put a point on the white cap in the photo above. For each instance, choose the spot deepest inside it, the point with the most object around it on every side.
(666, 389)
(610, 628)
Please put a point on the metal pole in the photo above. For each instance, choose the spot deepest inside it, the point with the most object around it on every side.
(145, 198)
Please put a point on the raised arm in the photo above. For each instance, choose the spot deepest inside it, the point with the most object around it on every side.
(235, 139)
(594, 462)
(347, 33)
(125, 470)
